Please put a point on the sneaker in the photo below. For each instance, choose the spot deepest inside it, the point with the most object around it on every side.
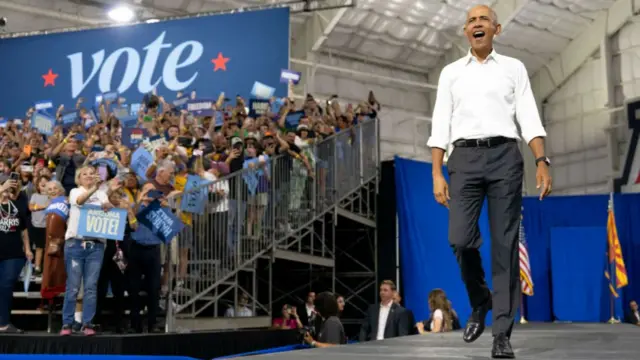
(65, 331)
(88, 330)
(76, 327)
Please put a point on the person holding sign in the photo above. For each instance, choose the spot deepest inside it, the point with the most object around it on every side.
(15, 248)
(145, 249)
(83, 256)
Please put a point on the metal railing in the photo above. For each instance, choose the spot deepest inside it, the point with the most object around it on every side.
(250, 212)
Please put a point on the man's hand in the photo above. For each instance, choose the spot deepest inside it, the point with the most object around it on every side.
(107, 206)
(441, 190)
(543, 180)
(307, 338)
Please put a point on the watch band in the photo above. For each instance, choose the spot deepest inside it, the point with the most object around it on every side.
(543, 159)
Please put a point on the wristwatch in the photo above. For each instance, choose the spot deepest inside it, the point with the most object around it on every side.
(544, 159)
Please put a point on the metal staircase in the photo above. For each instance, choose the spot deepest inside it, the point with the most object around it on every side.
(274, 210)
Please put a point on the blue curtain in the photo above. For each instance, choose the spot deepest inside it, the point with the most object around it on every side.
(427, 260)
(580, 291)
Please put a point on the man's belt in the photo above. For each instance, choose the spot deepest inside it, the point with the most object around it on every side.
(484, 142)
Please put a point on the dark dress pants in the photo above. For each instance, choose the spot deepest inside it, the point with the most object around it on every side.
(494, 173)
(144, 260)
(111, 274)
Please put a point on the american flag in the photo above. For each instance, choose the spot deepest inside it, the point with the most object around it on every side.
(525, 267)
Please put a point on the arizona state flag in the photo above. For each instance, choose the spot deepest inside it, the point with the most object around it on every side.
(615, 260)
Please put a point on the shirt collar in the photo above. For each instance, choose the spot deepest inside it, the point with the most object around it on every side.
(388, 306)
(493, 55)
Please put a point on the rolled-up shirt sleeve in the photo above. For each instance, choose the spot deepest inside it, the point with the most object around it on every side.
(442, 112)
(527, 114)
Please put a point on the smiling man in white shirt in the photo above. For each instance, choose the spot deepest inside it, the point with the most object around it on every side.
(480, 97)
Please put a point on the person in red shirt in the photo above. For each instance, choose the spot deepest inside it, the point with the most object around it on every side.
(289, 319)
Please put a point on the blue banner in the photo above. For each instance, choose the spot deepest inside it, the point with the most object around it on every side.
(70, 118)
(59, 206)
(43, 122)
(132, 137)
(160, 221)
(97, 223)
(209, 53)
(200, 107)
(258, 107)
(193, 201)
(141, 160)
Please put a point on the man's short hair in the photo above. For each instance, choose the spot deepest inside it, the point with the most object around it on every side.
(391, 284)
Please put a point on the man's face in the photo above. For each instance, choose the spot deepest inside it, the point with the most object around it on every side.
(173, 132)
(480, 28)
(70, 148)
(634, 306)
(244, 300)
(386, 293)
(164, 176)
(311, 297)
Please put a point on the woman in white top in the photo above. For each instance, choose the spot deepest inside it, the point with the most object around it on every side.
(441, 319)
(83, 256)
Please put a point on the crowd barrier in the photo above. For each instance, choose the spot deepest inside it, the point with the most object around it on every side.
(248, 212)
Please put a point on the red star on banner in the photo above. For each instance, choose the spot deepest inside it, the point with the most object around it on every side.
(220, 62)
(50, 78)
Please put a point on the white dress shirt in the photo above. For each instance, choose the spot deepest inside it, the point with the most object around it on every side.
(382, 319)
(478, 100)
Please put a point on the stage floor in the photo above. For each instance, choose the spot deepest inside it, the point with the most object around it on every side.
(530, 341)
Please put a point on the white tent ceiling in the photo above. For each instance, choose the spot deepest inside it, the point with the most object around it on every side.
(408, 34)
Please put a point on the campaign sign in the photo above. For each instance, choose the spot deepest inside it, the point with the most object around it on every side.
(97, 223)
(160, 221)
(43, 122)
(276, 105)
(134, 109)
(290, 75)
(195, 195)
(293, 119)
(169, 56)
(258, 107)
(200, 107)
(43, 105)
(262, 91)
(132, 137)
(120, 112)
(181, 103)
(110, 96)
(69, 118)
(141, 160)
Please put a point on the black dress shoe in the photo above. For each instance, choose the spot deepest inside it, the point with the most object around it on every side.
(475, 325)
(502, 348)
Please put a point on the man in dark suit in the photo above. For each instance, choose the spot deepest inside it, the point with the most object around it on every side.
(384, 320)
(307, 311)
(633, 316)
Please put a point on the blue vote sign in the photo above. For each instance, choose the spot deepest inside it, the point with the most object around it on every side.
(97, 223)
(209, 53)
(160, 221)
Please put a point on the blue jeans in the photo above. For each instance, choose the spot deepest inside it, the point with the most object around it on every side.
(9, 274)
(83, 261)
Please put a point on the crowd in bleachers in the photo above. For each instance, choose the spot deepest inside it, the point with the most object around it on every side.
(88, 158)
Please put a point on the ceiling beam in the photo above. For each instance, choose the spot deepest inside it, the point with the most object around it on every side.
(328, 21)
(546, 80)
(49, 13)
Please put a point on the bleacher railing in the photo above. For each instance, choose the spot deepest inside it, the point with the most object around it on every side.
(249, 212)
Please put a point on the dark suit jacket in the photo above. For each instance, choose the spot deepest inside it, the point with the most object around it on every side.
(302, 314)
(631, 318)
(397, 323)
